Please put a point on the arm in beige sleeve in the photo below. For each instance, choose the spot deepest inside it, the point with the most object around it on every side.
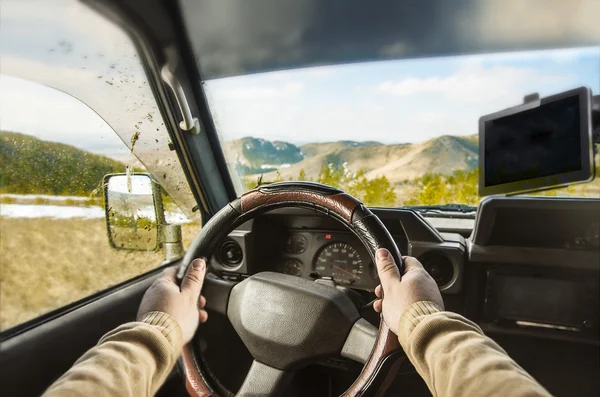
(455, 358)
(132, 360)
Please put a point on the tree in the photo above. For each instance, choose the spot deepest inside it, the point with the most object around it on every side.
(376, 192)
(332, 174)
(430, 189)
(379, 192)
(302, 175)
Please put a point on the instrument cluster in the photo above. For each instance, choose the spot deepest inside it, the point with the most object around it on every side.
(339, 256)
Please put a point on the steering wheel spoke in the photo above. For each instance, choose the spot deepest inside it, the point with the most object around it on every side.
(217, 294)
(360, 341)
(264, 380)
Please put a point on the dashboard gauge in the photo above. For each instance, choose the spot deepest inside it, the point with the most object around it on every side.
(296, 244)
(292, 266)
(340, 260)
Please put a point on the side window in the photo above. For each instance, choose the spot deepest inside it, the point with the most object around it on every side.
(74, 106)
(54, 248)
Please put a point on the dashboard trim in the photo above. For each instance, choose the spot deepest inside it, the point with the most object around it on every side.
(455, 252)
(402, 215)
(487, 211)
(541, 257)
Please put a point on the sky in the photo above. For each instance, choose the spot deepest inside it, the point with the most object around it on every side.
(68, 75)
(393, 101)
(99, 87)
(52, 115)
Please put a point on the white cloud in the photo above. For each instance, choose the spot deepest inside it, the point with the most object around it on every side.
(389, 103)
(569, 56)
(256, 93)
(42, 111)
(557, 56)
(320, 71)
(470, 83)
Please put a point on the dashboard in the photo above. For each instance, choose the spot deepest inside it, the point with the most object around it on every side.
(530, 266)
(300, 243)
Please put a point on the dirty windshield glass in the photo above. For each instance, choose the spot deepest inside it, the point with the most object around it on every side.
(391, 133)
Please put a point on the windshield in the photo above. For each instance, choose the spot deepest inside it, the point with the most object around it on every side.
(391, 133)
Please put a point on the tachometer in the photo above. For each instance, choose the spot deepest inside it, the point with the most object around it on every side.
(341, 261)
(291, 266)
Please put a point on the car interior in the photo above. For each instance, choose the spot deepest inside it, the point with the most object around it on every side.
(525, 268)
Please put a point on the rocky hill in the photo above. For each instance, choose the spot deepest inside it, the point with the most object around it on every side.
(256, 156)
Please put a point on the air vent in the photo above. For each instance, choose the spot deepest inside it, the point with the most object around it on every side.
(230, 254)
(438, 266)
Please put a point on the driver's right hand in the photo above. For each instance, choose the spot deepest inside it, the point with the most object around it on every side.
(184, 303)
(401, 291)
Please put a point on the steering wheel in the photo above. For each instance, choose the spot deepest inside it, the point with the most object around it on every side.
(287, 322)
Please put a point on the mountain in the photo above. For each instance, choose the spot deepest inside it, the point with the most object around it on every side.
(315, 149)
(30, 165)
(442, 155)
(397, 162)
(255, 155)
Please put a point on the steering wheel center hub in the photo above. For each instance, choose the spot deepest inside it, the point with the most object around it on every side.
(287, 322)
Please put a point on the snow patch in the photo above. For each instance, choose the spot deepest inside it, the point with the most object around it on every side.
(43, 196)
(176, 218)
(50, 211)
(276, 166)
(70, 212)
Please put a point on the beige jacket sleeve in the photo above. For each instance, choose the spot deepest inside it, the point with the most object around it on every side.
(455, 358)
(132, 360)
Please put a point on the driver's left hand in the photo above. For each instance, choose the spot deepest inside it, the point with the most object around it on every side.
(184, 304)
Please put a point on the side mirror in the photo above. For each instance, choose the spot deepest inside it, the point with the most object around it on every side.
(133, 206)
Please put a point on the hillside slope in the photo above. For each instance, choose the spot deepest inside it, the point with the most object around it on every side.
(398, 162)
(30, 165)
(439, 155)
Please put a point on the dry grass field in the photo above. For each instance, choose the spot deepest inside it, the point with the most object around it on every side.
(48, 263)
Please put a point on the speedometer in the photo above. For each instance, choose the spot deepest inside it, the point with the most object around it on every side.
(341, 261)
